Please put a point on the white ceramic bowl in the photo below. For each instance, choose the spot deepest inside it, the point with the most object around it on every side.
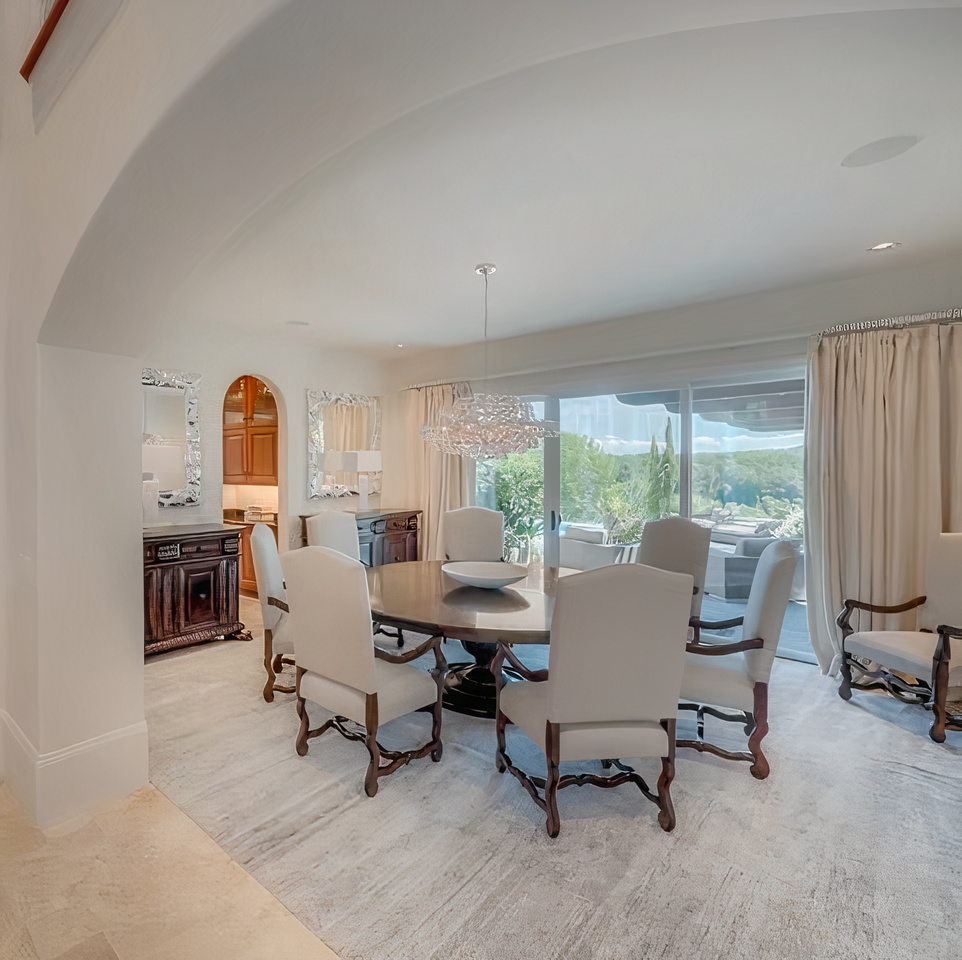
(487, 574)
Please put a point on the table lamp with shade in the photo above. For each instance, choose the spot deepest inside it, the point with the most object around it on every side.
(361, 462)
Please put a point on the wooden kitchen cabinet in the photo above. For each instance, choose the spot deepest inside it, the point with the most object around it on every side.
(250, 433)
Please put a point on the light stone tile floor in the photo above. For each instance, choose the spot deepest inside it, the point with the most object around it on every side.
(134, 880)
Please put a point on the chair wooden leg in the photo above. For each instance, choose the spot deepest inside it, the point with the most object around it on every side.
(271, 674)
(940, 689)
(500, 725)
(845, 687)
(300, 744)
(501, 721)
(760, 768)
(552, 750)
(666, 810)
(436, 730)
(370, 741)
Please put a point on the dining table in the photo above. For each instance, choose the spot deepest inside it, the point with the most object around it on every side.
(419, 596)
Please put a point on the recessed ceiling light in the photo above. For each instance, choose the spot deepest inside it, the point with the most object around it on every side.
(879, 150)
(888, 245)
(297, 323)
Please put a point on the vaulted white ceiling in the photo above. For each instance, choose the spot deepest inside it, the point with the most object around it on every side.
(336, 177)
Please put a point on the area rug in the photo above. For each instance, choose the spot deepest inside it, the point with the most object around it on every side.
(852, 848)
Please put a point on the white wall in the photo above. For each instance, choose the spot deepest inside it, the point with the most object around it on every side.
(687, 344)
(292, 371)
(71, 609)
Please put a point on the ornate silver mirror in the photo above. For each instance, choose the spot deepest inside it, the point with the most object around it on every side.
(171, 436)
(337, 424)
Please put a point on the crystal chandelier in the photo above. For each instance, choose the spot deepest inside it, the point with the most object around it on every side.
(486, 425)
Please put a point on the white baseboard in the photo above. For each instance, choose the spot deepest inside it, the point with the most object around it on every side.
(55, 786)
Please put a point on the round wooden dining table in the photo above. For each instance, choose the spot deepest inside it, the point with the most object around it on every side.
(419, 596)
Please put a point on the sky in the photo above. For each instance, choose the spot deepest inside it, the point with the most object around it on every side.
(624, 429)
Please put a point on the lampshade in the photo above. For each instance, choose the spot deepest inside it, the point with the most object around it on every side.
(362, 461)
(352, 461)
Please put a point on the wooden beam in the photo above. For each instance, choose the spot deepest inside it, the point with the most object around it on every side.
(46, 31)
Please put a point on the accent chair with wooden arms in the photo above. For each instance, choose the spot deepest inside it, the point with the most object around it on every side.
(473, 533)
(735, 676)
(340, 668)
(278, 646)
(611, 688)
(876, 657)
(678, 545)
(335, 529)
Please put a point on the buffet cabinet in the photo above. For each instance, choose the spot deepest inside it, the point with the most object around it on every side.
(384, 536)
(191, 586)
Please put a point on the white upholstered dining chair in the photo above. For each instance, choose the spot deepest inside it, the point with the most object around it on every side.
(608, 691)
(278, 646)
(473, 533)
(869, 657)
(735, 676)
(678, 545)
(340, 669)
(335, 529)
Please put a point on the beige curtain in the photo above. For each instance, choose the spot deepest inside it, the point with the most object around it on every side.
(348, 426)
(883, 470)
(416, 474)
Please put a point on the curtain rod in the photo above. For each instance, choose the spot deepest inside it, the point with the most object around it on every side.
(436, 383)
(895, 323)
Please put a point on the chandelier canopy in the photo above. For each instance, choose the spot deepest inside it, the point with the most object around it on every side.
(486, 425)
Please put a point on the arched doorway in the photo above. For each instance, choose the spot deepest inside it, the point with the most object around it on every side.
(251, 425)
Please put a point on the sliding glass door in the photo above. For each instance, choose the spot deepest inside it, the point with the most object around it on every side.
(515, 485)
(619, 463)
(729, 457)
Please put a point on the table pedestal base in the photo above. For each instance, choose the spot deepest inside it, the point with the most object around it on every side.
(470, 687)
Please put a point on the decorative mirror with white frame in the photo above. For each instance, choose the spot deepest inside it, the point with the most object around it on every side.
(171, 435)
(340, 424)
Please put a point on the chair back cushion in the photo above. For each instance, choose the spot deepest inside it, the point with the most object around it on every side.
(330, 618)
(678, 545)
(335, 529)
(267, 571)
(618, 644)
(473, 533)
(943, 584)
(767, 602)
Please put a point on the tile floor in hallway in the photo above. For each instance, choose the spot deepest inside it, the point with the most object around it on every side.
(134, 880)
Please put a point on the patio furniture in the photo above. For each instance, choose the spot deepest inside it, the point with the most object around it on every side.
(584, 548)
(729, 573)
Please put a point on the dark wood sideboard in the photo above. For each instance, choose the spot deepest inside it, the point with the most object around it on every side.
(384, 536)
(191, 585)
